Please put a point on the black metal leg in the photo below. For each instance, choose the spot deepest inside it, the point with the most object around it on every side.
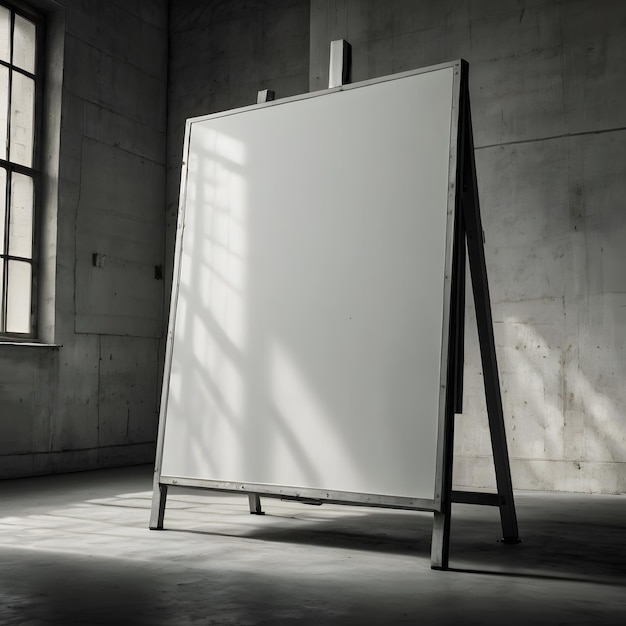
(157, 513)
(255, 504)
(440, 546)
(478, 271)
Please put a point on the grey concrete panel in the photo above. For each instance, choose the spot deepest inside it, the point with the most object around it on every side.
(130, 454)
(26, 376)
(28, 464)
(76, 417)
(81, 64)
(514, 32)
(583, 22)
(127, 391)
(559, 333)
(153, 12)
(129, 91)
(133, 40)
(518, 99)
(120, 131)
(104, 79)
(65, 461)
(123, 223)
(429, 46)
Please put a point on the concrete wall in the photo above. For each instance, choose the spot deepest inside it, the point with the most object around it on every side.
(547, 87)
(548, 100)
(92, 402)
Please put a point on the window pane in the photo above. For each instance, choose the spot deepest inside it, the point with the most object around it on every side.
(22, 119)
(5, 31)
(3, 202)
(24, 44)
(21, 216)
(2, 263)
(18, 297)
(4, 109)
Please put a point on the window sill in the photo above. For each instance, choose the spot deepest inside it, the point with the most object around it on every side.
(30, 344)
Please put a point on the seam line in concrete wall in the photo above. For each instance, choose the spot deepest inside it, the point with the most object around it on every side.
(550, 138)
(98, 395)
(74, 450)
(137, 16)
(543, 460)
(108, 109)
(74, 244)
(119, 58)
(135, 154)
(71, 92)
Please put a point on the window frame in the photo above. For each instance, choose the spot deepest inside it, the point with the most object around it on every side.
(34, 171)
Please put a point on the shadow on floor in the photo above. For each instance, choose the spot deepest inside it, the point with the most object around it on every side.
(554, 545)
(61, 590)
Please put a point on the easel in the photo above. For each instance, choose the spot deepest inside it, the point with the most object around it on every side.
(469, 237)
(468, 240)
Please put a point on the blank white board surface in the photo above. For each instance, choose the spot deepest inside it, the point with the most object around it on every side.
(307, 322)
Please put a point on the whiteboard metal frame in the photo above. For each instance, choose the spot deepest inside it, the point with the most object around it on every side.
(375, 500)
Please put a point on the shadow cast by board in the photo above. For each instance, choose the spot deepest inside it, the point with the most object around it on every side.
(370, 532)
(556, 550)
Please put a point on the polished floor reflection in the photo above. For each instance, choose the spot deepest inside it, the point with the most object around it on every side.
(75, 549)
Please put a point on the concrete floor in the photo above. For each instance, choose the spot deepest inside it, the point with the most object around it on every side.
(75, 549)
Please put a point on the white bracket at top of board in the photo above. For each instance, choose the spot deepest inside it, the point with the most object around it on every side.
(339, 67)
(265, 95)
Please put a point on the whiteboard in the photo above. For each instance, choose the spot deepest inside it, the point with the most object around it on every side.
(308, 327)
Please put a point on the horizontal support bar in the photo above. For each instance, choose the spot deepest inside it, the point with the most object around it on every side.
(302, 500)
(322, 495)
(477, 497)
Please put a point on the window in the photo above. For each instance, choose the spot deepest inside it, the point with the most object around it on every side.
(20, 89)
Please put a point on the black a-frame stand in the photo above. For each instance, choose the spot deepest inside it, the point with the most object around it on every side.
(468, 240)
